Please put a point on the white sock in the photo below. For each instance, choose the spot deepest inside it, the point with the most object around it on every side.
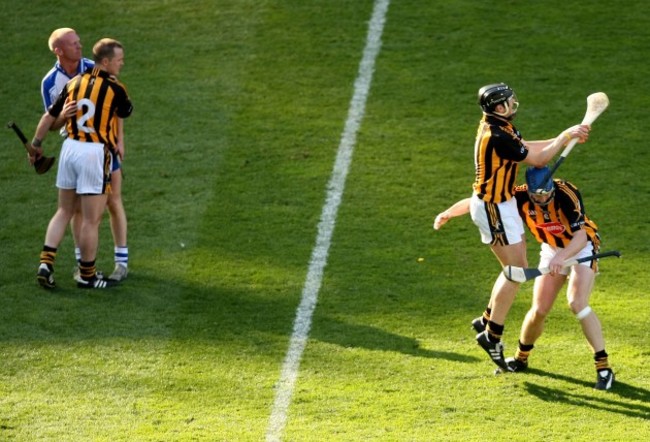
(122, 256)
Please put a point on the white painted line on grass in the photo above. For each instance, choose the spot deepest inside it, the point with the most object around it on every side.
(335, 187)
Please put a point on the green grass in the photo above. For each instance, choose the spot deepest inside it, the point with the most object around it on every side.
(239, 110)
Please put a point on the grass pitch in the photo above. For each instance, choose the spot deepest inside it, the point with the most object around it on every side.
(239, 109)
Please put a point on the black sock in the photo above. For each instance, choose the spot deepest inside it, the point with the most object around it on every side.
(87, 270)
(601, 360)
(494, 331)
(523, 351)
(525, 347)
(486, 315)
(48, 256)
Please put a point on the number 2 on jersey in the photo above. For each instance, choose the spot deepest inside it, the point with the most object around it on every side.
(89, 107)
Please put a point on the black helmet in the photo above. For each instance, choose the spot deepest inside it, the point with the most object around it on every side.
(492, 94)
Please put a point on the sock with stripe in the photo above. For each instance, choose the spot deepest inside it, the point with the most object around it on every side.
(48, 256)
(601, 360)
(122, 256)
(87, 270)
(486, 315)
(495, 331)
(523, 351)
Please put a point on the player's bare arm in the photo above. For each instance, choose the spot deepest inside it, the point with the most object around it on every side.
(540, 152)
(459, 208)
(577, 243)
(41, 131)
(119, 149)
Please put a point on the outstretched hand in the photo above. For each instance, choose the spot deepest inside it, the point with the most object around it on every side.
(441, 219)
(459, 208)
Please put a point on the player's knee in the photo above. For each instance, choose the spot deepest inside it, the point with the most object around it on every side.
(583, 313)
(576, 305)
(114, 203)
(538, 313)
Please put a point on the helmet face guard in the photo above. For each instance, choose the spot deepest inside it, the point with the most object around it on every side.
(541, 189)
(541, 198)
(511, 105)
(490, 96)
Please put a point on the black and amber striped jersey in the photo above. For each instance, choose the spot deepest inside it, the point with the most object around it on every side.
(556, 223)
(497, 152)
(100, 99)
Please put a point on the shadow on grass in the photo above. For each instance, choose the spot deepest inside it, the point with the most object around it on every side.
(613, 401)
(144, 307)
(349, 335)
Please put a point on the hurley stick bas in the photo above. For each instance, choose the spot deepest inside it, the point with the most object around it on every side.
(522, 274)
(41, 165)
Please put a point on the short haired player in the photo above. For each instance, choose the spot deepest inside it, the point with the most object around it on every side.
(554, 213)
(498, 150)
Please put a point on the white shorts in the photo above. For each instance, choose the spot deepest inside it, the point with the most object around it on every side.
(499, 224)
(84, 166)
(547, 253)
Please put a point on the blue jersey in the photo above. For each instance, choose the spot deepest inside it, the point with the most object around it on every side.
(56, 79)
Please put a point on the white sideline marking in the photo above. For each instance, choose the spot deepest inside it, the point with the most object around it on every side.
(302, 324)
